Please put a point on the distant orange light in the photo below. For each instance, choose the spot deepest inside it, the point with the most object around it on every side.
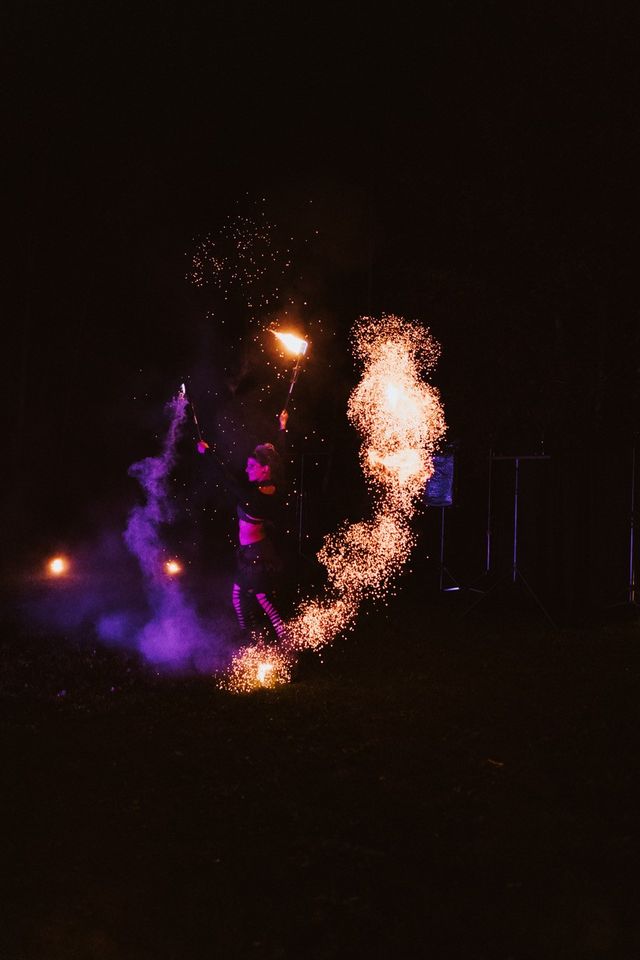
(58, 566)
(295, 345)
(173, 568)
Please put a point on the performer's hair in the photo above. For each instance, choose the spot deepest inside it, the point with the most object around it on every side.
(267, 456)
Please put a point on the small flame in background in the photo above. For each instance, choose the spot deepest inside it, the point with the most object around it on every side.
(401, 421)
(58, 566)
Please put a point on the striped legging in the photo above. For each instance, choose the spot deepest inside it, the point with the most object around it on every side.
(245, 614)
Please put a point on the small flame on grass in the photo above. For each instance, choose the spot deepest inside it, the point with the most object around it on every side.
(257, 667)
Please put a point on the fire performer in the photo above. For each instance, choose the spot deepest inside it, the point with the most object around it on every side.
(259, 501)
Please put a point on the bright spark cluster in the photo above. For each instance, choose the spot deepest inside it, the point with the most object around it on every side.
(398, 414)
(257, 666)
(401, 420)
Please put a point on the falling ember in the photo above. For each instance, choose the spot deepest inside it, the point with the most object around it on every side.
(293, 344)
(173, 568)
(58, 566)
(401, 421)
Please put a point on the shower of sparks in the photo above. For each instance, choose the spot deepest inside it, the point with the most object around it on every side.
(241, 259)
(293, 344)
(401, 421)
(258, 666)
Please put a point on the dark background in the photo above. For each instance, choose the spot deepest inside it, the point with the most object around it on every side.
(469, 165)
(436, 784)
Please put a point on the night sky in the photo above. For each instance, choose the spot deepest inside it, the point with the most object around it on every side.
(470, 165)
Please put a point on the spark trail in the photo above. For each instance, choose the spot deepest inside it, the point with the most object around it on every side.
(401, 421)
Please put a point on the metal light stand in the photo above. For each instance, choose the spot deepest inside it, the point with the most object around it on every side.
(632, 584)
(514, 574)
(444, 570)
(442, 497)
(631, 598)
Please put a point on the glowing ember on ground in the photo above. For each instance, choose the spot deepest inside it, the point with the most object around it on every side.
(173, 568)
(264, 669)
(58, 566)
(401, 421)
(258, 666)
(295, 345)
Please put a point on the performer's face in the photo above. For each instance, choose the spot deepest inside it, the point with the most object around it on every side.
(256, 472)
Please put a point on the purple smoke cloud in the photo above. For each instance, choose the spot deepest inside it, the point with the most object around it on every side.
(118, 586)
(175, 637)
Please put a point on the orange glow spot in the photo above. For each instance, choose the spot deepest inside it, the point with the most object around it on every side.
(58, 566)
(173, 568)
(264, 669)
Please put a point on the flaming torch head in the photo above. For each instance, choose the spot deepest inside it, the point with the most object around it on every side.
(295, 345)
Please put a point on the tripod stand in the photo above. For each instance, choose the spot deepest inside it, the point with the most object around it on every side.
(514, 574)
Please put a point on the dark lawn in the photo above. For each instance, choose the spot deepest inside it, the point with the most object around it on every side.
(466, 788)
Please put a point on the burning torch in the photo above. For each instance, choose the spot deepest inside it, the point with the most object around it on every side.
(298, 347)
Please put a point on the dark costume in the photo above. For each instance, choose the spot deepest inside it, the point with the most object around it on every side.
(258, 564)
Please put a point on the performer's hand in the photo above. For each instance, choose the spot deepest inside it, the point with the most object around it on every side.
(202, 446)
(283, 418)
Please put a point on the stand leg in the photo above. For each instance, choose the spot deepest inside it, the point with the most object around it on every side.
(514, 574)
(443, 569)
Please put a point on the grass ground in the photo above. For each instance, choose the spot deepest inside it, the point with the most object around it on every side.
(439, 786)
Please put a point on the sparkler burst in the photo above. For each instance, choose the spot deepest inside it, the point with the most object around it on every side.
(401, 421)
(258, 666)
(398, 414)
